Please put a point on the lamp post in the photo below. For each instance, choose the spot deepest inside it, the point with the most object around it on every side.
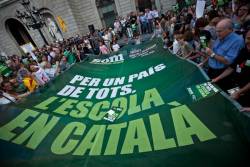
(31, 17)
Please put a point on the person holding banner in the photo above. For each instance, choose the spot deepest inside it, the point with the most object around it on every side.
(239, 71)
(7, 94)
(224, 50)
(6, 98)
(39, 74)
(243, 96)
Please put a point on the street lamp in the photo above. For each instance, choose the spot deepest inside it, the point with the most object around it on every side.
(31, 17)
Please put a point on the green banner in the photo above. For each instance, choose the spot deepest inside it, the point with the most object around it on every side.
(131, 108)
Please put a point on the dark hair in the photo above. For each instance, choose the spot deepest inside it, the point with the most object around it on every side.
(188, 36)
(212, 14)
(4, 82)
(246, 25)
(188, 18)
(247, 5)
(201, 22)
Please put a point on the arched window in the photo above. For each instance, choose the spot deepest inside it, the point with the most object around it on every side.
(18, 31)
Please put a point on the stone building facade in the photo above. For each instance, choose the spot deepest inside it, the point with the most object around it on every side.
(77, 15)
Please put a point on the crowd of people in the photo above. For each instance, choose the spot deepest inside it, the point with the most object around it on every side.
(219, 42)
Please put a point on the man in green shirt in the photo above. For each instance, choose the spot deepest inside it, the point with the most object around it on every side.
(70, 56)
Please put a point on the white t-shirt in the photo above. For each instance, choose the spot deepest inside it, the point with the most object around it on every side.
(117, 26)
(51, 72)
(115, 47)
(41, 77)
(86, 41)
(6, 99)
(138, 41)
(155, 13)
(52, 54)
(176, 46)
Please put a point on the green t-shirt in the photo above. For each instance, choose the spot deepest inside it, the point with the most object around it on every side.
(70, 57)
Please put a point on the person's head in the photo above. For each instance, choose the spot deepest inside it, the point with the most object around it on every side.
(23, 71)
(200, 23)
(33, 68)
(188, 36)
(157, 26)
(173, 20)
(247, 40)
(64, 59)
(6, 86)
(214, 21)
(242, 10)
(178, 36)
(188, 18)
(44, 58)
(246, 26)
(101, 43)
(228, 8)
(212, 14)
(13, 79)
(27, 75)
(114, 41)
(28, 55)
(224, 28)
(165, 34)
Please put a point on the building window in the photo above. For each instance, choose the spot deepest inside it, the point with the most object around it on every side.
(107, 12)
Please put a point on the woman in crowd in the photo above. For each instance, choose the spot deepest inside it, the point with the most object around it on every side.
(103, 48)
(241, 16)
